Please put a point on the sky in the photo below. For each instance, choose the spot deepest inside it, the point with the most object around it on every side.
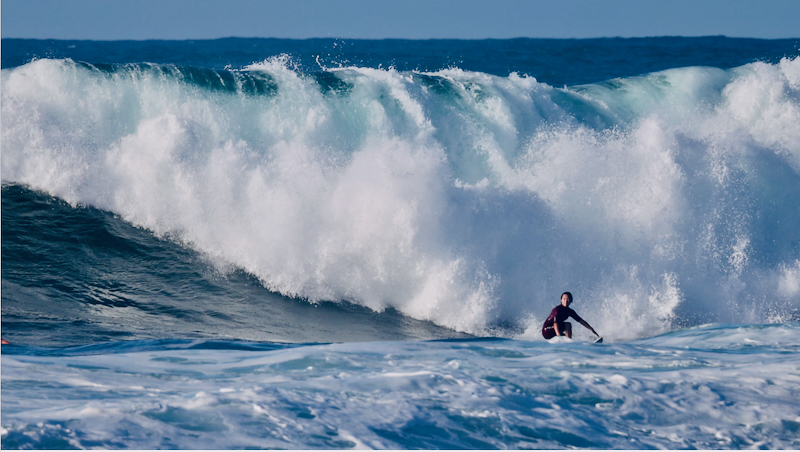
(408, 19)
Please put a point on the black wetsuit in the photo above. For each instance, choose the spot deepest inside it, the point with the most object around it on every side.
(558, 315)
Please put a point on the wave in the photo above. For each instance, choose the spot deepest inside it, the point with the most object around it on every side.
(463, 198)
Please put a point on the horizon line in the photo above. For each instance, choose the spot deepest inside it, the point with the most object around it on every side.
(405, 39)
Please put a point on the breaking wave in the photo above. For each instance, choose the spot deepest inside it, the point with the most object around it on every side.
(468, 199)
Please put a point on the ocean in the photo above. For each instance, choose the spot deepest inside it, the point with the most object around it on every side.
(336, 244)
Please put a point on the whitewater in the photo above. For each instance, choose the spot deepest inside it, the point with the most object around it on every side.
(362, 255)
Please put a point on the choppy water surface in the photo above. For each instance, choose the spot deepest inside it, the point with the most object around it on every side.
(710, 387)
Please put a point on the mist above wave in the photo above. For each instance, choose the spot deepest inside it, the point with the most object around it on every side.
(459, 197)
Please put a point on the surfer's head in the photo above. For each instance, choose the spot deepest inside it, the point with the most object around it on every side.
(566, 298)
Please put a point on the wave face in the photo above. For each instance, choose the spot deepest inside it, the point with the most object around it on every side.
(76, 276)
(468, 199)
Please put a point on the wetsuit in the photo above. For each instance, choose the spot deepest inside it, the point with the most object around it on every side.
(558, 315)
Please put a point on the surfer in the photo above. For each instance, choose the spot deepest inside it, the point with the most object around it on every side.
(555, 325)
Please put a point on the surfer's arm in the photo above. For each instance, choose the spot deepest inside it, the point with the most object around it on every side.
(555, 328)
(584, 323)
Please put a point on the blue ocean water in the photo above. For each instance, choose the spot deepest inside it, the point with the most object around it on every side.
(353, 244)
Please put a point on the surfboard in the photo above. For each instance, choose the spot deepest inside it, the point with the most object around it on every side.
(599, 340)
